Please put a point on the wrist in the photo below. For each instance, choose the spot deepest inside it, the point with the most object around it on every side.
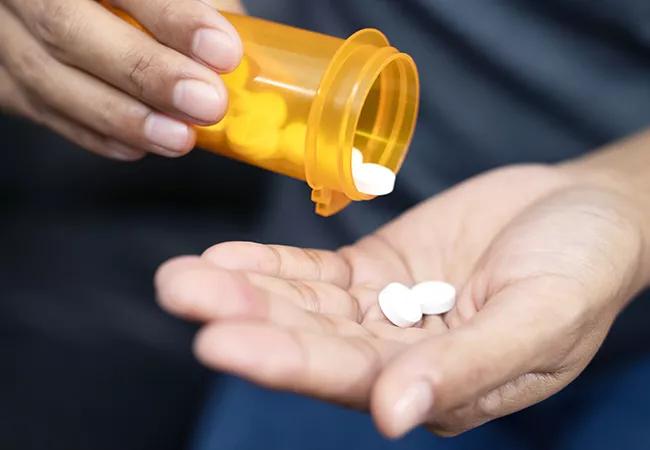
(622, 170)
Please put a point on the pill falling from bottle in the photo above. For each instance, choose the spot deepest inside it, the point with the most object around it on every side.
(404, 306)
(371, 178)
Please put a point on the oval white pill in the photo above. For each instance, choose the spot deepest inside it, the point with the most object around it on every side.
(399, 306)
(357, 157)
(373, 179)
(434, 297)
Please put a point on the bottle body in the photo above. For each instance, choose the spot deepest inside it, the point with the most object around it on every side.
(301, 101)
(271, 94)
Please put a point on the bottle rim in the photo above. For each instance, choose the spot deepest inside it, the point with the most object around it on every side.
(355, 68)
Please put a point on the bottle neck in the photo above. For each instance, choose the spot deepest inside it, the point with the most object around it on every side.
(368, 98)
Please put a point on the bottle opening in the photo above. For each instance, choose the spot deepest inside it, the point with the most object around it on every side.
(368, 99)
(387, 119)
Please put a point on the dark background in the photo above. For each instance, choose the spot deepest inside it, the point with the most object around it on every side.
(87, 359)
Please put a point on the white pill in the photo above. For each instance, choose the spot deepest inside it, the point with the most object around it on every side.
(357, 157)
(434, 297)
(399, 306)
(373, 179)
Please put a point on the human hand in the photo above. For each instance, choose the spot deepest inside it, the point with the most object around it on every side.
(80, 70)
(543, 263)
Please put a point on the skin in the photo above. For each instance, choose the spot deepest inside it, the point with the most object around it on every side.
(544, 258)
(78, 69)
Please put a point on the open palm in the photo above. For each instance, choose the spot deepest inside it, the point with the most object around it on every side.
(542, 263)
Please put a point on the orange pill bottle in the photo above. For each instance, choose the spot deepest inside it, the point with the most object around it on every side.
(301, 101)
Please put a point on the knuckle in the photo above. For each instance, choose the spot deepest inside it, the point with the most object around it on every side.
(169, 13)
(56, 23)
(141, 71)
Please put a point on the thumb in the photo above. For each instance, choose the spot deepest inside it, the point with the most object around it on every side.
(493, 365)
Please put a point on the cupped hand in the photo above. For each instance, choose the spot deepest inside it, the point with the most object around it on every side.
(543, 264)
(100, 82)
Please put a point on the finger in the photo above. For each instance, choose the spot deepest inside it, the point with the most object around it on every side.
(281, 261)
(87, 100)
(192, 27)
(313, 296)
(442, 380)
(339, 369)
(76, 32)
(13, 100)
(195, 289)
(90, 140)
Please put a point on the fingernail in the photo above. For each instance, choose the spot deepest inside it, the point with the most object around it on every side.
(215, 48)
(199, 100)
(412, 408)
(121, 152)
(167, 133)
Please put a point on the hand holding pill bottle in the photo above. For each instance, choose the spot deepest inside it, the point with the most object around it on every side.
(301, 101)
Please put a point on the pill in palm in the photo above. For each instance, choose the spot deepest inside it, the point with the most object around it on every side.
(399, 306)
(373, 179)
(434, 297)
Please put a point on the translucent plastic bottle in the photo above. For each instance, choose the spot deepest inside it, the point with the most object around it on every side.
(300, 101)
